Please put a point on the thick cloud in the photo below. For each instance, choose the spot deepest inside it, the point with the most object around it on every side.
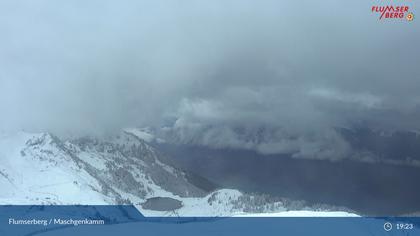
(224, 70)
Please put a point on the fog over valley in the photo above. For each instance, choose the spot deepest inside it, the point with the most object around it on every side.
(248, 87)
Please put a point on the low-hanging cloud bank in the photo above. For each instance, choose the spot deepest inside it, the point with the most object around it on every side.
(296, 69)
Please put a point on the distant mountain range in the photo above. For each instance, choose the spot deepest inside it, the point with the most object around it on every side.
(41, 168)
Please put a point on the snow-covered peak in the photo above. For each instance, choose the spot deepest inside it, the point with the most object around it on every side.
(36, 171)
(40, 168)
(145, 134)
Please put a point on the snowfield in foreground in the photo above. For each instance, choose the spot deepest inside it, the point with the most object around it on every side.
(301, 214)
(40, 168)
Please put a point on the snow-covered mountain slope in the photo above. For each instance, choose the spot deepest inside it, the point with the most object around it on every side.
(35, 171)
(230, 202)
(40, 168)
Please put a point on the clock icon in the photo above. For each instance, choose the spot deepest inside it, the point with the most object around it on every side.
(387, 226)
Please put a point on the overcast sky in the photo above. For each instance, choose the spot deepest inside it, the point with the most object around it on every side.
(296, 68)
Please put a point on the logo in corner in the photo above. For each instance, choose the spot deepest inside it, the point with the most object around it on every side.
(393, 12)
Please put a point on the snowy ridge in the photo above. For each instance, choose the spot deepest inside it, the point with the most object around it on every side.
(40, 168)
(144, 134)
(35, 171)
